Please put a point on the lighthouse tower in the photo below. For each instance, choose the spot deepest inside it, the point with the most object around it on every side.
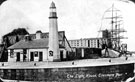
(54, 54)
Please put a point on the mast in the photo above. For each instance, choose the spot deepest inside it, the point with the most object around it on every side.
(114, 33)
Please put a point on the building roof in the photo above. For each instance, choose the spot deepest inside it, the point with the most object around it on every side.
(85, 39)
(33, 44)
(39, 31)
(52, 5)
(61, 35)
(37, 43)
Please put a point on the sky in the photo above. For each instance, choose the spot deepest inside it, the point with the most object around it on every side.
(78, 18)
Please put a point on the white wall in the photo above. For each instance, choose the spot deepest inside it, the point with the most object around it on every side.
(13, 59)
(64, 52)
(44, 51)
(14, 56)
(45, 54)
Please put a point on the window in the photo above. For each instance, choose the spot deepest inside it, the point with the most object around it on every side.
(36, 54)
(50, 53)
(40, 56)
(11, 53)
(77, 44)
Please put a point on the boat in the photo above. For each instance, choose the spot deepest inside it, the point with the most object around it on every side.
(50, 58)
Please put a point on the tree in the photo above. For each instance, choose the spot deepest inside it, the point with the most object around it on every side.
(10, 39)
(15, 32)
(14, 36)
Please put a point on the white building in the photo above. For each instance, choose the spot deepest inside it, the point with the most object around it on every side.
(51, 46)
(86, 42)
(36, 49)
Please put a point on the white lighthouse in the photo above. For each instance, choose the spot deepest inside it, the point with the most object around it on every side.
(54, 54)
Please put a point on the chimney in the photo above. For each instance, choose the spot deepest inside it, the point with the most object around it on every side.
(38, 34)
(27, 38)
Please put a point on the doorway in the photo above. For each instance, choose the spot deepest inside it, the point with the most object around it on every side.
(31, 56)
(18, 56)
(61, 55)
(40, 56)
